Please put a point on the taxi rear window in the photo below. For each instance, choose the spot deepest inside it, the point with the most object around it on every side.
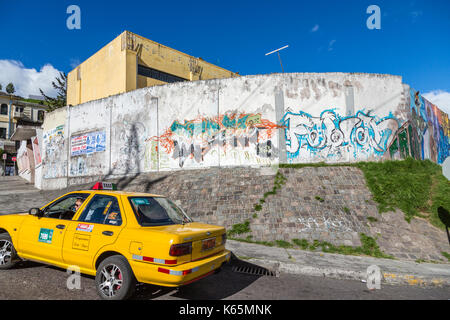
(157, 211)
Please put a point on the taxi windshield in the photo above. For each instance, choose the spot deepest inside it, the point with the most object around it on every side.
(157, 211)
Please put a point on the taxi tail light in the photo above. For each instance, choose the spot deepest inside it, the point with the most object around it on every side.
(182, 249)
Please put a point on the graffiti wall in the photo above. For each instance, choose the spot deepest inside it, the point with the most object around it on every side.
(332, 137)
(247, 121)
(427, 133)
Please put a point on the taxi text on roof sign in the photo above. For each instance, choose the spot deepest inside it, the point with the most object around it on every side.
(104, 186)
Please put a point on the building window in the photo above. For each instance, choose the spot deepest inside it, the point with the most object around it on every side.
(2, 133)
(4, 109)
(19, 109)
(158, 75)
(40, 115)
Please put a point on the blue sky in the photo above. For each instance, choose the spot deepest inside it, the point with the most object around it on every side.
(323, 35)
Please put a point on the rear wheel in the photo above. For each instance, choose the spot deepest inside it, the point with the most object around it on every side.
(8, 255)
(115, 279)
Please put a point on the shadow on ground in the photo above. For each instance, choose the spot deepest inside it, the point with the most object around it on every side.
(220, 285)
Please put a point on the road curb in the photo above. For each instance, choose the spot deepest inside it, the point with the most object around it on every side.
(336, 266)
(342, 274)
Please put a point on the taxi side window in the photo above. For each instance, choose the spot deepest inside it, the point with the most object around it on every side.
(64, 208)
(102, 209)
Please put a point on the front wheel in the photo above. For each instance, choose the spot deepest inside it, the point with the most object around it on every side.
(115, 279)
(8, 255)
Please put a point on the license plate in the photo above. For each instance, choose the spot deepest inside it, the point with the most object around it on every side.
(208, 244)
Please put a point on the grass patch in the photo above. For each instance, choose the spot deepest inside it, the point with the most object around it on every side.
(413, 186)
(264, 243)
(369, 247)
(410, 185)
(372, 219)
(283, 244)
(319, 199)
(239, 228)
(445, 254)
(346, 210)
(279, 181)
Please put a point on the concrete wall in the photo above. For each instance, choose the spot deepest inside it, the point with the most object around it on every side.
(247, 121)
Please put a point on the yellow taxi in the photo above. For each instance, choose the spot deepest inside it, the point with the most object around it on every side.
(119, 237)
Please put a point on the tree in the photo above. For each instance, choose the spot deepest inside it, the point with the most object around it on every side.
(10, 88)
(61, 89)
(0, 86)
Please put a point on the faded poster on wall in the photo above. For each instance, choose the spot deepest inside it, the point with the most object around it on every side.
(88, 143)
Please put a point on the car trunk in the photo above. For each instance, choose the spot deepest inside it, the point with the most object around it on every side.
(206, 239)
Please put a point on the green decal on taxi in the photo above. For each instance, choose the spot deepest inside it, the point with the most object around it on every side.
(45, 235)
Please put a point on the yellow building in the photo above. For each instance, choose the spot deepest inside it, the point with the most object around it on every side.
(131, 62)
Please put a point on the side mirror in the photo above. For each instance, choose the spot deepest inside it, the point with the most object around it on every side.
(35, 212)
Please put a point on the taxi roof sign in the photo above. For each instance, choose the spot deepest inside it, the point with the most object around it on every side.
(104, 186)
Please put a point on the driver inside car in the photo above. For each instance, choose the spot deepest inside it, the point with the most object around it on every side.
(78, 204)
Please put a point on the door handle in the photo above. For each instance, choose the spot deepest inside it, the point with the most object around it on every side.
(108, 233)
(60, 226)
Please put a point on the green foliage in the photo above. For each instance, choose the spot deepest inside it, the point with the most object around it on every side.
(413, 186)
(10, 88)
(61, 88)
(283, 244)
(346, 210)
(369, 247)
(258, 207)
(247, 240)
(319, 198)
(239, 228)
(445, 254)
(410, 185)
(279, 181)
(302, 243)
(372, 219)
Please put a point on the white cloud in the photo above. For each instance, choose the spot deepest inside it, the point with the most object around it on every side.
(27, 81)
(315, 28)
(330, 45)
(440, 98)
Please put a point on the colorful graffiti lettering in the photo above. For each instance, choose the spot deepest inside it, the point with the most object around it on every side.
(193, 139)
(431, 130)
(333, 136)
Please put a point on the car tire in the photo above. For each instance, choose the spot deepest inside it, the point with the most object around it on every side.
(8, 255)
(115, 279)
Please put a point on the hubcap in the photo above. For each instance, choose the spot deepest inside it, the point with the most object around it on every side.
(5, 251)
(110, 280)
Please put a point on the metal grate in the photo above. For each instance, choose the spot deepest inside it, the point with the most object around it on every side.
(254, 270)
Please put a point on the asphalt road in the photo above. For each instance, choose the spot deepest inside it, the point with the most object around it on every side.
(33, 281)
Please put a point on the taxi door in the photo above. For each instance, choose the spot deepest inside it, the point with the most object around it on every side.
(98, 225)
(41, 238)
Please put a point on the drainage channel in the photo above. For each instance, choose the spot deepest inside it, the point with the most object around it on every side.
(254, 270)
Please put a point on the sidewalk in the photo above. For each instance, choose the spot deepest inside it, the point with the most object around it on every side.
(340, 266)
